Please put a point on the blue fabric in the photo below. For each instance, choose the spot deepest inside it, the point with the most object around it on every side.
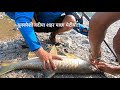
(79, 28)
(11, 14)
(15, 15)
(27, 32)
(43, 17)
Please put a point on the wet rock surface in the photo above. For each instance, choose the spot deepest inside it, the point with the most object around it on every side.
(72, 42)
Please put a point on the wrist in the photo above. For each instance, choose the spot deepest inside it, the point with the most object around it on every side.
(39, 50)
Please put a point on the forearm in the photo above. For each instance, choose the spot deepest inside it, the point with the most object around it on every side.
(29, 34)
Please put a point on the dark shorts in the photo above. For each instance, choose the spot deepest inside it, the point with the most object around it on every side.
(50, 29)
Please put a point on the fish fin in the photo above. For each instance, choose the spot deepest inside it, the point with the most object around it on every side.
(31, 55)
(69, 55)
(53, 50)
(5, 66)
(7, 63)
(48, 74)
(4, 69)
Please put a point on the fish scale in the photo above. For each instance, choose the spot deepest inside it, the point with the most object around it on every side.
(73, 66)
(67, 65)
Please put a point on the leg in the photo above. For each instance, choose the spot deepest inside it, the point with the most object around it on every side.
(98, 26)
(108, 67)
(116, 45)
(67, 19)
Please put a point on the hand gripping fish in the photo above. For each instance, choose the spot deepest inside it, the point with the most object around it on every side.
(70, 65)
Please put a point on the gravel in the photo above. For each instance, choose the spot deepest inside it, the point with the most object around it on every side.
(72, 42)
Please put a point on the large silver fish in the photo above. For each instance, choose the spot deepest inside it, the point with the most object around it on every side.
(67, 65)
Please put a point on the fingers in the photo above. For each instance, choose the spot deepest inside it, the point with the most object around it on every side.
(57, 57)
(101, 62)
(46, 59)
(44, 66)
(101, 65)
(53, 64)
(49, 65)
(94, 62)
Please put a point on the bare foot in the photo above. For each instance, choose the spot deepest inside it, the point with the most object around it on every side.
(53, 39)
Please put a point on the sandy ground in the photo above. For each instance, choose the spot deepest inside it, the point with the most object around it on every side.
(73, 42)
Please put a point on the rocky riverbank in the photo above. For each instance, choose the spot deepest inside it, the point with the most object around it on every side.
(72, 42)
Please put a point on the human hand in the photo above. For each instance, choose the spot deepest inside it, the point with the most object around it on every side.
(109, 68)
(94, 57)
(94, 61)
(47, 59)
(103, 66)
